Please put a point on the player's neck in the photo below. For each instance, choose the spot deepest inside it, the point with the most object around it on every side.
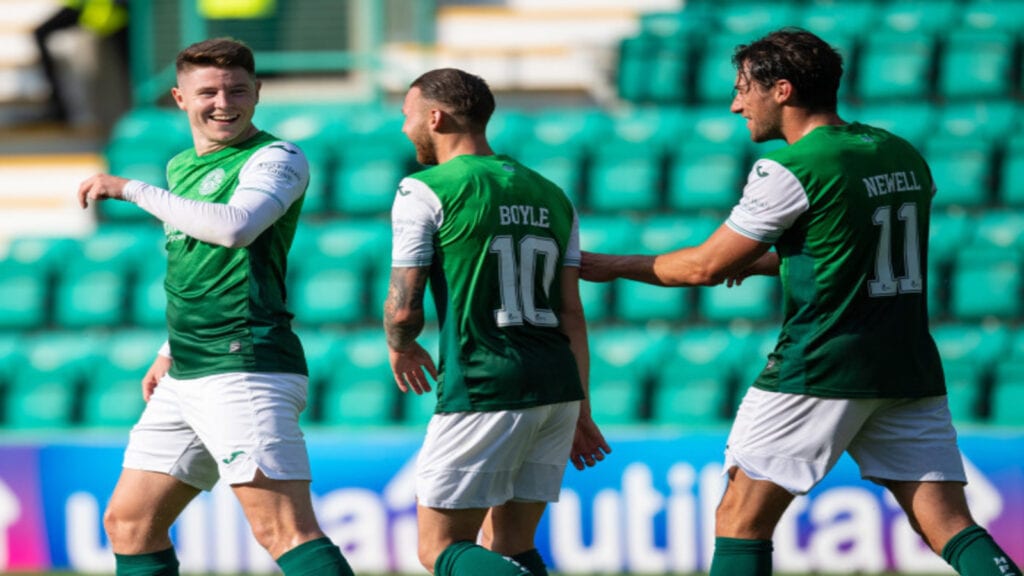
(801, 123)
(461, 145)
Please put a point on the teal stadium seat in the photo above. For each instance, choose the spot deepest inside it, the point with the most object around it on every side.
(978, 344)
(989, 119)
(621, 367)
(705, 176)
(654, 69)
(44, 389)
(23, 296)
(965, 392)
(1008, 393)
(506, 129)
(753, 18)
(360, 389)
(1004, 15)
(147, 295)
(367, 174)
(563, 165)
(833, 18)
(715, 124)
(113, 393)
(319, 344)
(755, 300)
(914, 121)
(1000, 229)
(962, 170)
(715, 74)
(919, 16)
(988, 282)
(606, 234)
(1011, 176)
(948, 232)
(624, 176)
(895, 65)
(976, 64)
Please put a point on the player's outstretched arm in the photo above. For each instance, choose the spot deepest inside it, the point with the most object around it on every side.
(403, 322)
(101, 187)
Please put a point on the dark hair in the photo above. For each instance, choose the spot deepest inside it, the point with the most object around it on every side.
(218, 52)
(464, 95)
(808, 62)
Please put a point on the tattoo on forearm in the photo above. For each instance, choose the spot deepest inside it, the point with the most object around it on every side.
(403, 309)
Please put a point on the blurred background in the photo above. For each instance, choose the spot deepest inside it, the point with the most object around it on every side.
(624, 104)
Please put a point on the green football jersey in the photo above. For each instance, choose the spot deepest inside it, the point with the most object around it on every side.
(497, 236)
(226, 306)
(847, 208)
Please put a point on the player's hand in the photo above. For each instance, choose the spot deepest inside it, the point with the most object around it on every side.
(597, 267)
(409, 365)
(101, 187)
(588, 444)
(156, 371)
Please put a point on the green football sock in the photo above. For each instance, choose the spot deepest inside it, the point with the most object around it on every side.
(162, 563)
(973, 552)
(532, 561)
(318, 557)
(738, 556)
(467, 559)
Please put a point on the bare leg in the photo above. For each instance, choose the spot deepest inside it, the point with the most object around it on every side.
(142, 509)
(439, 529)
(280, 512)
(750, 509)
(513, 527)
(936, 510)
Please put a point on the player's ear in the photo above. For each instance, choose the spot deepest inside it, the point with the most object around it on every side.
(438, 119)
(179, 97)
(783, 91)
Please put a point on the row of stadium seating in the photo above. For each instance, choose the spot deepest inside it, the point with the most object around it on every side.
(694, 66)
(649, 159)
(639, 375)
(338, 276)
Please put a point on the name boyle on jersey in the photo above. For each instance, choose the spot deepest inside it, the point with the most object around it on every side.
(523, 214)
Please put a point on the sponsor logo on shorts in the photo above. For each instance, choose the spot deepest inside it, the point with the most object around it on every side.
(233, 456)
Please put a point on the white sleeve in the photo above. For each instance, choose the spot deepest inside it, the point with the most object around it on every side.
(416, 216)
(270, 181)
(165, 349)
(572, 250)
(772, 200)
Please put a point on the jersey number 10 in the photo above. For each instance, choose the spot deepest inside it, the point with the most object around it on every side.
(517, 277)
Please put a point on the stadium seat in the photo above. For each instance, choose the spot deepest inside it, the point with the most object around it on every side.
(575, 127)
(655, 69)
(755, 300)
(895, 65)
(965, 392)
(1011, 176)
(962, 171)
(637, 302)
(705, 176)
(44, 389)
(976, 64)
(979, 344)
(360, 389)
(988, 282)
(327, 290)
(23, 296)
(507, 128)
(1005, 15)
(147, 295)
(948, 231)
(715, 124)
(113, 394)
(1000, 229)
(1008, 394)
(606, 234)
(715, 76)
(667, 232)
(987, 119)
(753, 18)
(367, 175)
(833, 19)
(624, 176)
(915, 121)
(915, 16)
(697, 380)
(563, 165)
(621, 364)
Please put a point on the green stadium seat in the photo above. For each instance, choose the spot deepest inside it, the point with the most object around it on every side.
(1005, 15)
(979, 344)
(326, 290)
(831, 19)
(667, 232)
(692, 396)
(895, 65)
(360, 389)
(113, 392)
(1011, 175)
(948, 231)
(621, 368)
(609, 235)
(367, 175)
(655, 69)
(988, 119)
(1000, 229)
(965, 392)
(577, 127)
(624, 176)
(1016, 350)
(988, 282)
(915, 16)
(562, 165)
(45, 252)
(705, 176)
(715, 124)
(637, 302)
(23, 296)
(914, 121)
(976, 64)
(691, 19)
(962, 171)
(755, 300)
(715, 76)
(506, 130)
(1008, 394)
(44, 389)
(153, 124)
(148, 298)
(753, 18)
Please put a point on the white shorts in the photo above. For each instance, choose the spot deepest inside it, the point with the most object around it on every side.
(483, 459)
(226, 425)
(794, 440)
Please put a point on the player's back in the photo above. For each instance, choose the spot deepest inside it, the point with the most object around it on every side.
(500, 248)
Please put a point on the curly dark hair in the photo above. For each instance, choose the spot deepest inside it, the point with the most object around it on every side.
(811, 65)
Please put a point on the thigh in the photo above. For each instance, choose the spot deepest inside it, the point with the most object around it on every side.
(280, 512)
(142, 508)
(792, 440)
(250, 422)
(750, 508)
(909, 440)
(511, 528)
(163, 441)
(937, 510)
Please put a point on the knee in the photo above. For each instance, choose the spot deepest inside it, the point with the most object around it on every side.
(734, 521)
(126, 533)
(427, 555)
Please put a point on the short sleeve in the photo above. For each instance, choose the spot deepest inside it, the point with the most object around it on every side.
(416, 216)
(772, 200)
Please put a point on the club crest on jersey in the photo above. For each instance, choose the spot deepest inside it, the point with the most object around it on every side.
(211, 182)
